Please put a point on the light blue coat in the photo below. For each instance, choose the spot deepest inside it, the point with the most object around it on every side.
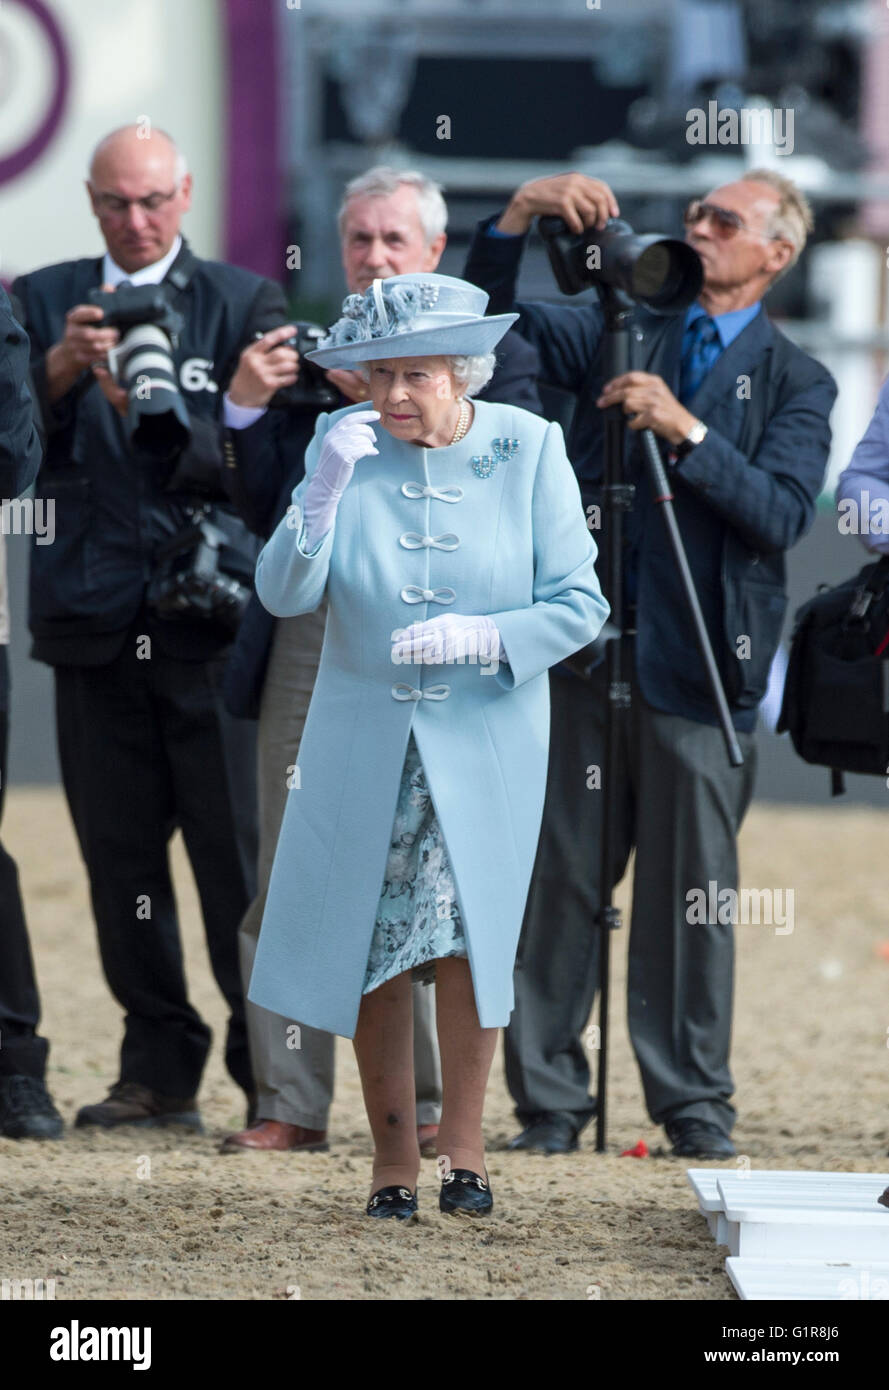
(525, 557)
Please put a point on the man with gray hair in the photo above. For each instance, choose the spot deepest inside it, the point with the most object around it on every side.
(742, 418)
(391, 222)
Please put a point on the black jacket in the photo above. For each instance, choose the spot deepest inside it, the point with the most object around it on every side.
(742, 497)
(111, 508)
(269, 462)
(20, 451)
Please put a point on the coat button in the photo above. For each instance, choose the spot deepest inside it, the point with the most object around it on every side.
(402, 691)
(441, 494)
(412, 593)
(412, 540)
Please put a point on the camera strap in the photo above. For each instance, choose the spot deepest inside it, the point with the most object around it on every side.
(182, 271)
(179, 275)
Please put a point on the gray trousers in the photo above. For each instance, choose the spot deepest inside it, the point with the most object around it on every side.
(294, 1068)
(680, 805)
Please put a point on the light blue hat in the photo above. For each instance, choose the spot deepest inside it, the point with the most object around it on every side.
(416, 315)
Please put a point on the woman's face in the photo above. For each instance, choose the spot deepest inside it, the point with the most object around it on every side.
(416, 398)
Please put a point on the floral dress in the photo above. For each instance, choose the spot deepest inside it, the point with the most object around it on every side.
(418, 920)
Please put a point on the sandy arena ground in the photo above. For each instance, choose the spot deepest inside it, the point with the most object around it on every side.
(161, 1215)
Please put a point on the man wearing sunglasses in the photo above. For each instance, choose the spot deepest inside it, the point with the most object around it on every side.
(742, 418)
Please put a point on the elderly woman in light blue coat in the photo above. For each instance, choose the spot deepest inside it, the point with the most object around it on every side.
(450, 538)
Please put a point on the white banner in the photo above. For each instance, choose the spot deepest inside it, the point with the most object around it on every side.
(72, 70)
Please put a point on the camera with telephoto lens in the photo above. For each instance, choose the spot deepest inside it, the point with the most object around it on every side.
(142, 363)
(188, 581)
(312, 387)
(661, 273)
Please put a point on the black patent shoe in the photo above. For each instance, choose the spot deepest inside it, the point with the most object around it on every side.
(464, 1193)
(393, 1201)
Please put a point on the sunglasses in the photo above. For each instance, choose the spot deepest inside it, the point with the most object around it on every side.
(726, 222)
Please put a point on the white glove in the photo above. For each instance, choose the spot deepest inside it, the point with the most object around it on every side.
(448, 638)
(350, 439)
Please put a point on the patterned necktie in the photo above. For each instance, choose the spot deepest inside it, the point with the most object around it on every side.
(700, 349)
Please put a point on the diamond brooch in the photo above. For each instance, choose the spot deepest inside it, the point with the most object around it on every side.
(483, 465)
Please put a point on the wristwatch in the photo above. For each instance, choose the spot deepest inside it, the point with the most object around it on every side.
(695, 436)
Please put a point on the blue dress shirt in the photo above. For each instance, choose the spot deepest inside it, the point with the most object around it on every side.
(865, 482)
(728, 326)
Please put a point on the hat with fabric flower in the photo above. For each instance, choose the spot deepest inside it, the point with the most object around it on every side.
(416, 315)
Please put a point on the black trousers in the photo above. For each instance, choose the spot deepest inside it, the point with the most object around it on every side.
(22, 1052)
(146, 745)
(680, 806)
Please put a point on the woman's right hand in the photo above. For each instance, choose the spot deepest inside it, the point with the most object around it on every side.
(349, 440)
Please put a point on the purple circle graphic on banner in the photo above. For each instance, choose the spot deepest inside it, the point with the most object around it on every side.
(21, 159)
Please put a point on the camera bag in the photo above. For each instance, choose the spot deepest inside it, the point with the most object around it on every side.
(836, 695)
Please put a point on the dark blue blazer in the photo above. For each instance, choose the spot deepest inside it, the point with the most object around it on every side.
(113, 509)
(267, 463)
(742, 497)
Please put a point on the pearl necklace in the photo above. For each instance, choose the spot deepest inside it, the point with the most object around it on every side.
(462, 422)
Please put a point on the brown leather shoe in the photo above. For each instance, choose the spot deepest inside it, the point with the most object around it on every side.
(275, 1134)
(129, 1103)
(427, 1138)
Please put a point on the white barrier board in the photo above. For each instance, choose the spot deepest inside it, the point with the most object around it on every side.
(813, 1280)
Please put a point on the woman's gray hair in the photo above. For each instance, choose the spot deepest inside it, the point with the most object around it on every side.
(471, 374)
(383, 181)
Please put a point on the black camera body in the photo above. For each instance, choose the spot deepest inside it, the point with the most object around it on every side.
(131, 305)
(312, 390)
(189, 583)
(663, 274)
(142, 363)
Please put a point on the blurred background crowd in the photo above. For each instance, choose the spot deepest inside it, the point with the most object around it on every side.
(481, 95)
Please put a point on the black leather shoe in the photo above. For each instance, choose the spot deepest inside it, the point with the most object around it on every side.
(26, 1110)
(693, 1138)
(464, 1193)
(393, 1201)
(548, 1134)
